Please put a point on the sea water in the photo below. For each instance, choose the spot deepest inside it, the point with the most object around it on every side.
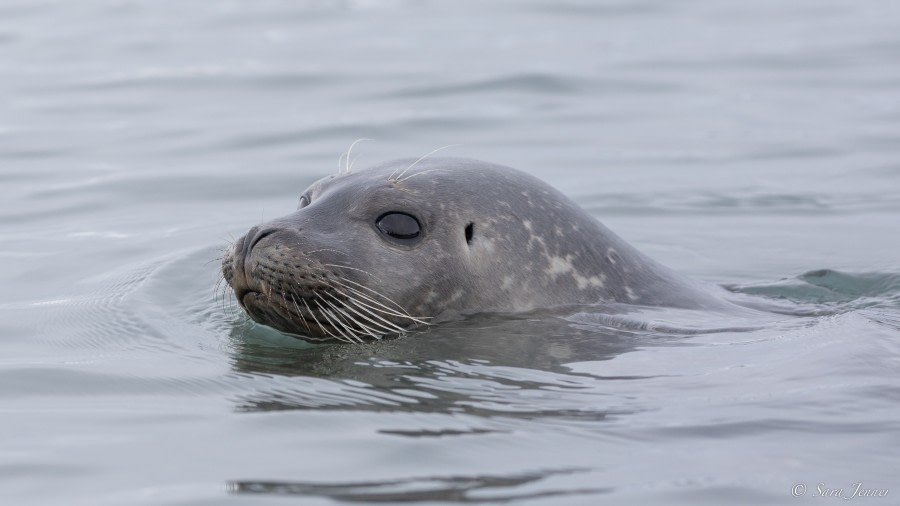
(749, 145)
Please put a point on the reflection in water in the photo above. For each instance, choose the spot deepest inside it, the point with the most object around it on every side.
(488, 373)
(502, 365)
(463, 489)
(483, 365)
(531, 340)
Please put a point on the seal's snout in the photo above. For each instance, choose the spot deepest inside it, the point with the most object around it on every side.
(236, 266)
(258, 262)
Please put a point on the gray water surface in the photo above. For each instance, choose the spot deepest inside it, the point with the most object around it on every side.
(752, 145)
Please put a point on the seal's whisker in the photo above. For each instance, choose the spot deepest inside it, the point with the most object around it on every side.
(403, 312)
(355, 325)
(284, 298)
(376, 292)
(327, 249)
(380, 312)
(385, 309)
(349, 331)
(299, 313)
(352, 324)
(354, 321)
(216, 293)
(384, 328)
(335, 323)
(400, 175)
(342, 337)
(316, 319)
(340, 163)
(350, 149)
(420, 173)
(226, 297)
(392, 327)
(351, 268)
(218, 285)
(378, 326)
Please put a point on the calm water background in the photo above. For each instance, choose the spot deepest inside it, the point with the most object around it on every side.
(746, 144)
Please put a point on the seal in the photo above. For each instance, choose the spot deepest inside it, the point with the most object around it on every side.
(414, 242)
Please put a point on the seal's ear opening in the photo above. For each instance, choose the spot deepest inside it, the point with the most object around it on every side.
(470, 228)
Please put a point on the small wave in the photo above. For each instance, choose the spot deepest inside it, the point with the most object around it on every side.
(466, 489)
(520, 83)
(830, 288)
(205, 77)
(746, 201)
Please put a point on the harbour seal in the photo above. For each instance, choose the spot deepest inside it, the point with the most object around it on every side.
(414, 242)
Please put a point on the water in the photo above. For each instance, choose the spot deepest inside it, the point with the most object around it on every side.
(750, 145)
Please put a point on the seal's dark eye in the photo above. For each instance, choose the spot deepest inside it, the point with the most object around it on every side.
(399, 225)
(304, 201)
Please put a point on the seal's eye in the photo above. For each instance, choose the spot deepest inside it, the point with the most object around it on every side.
(399, 225)
(304, 201)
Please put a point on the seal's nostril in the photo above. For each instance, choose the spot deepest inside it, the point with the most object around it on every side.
(243, 246)
(249, 241)
(258, 237)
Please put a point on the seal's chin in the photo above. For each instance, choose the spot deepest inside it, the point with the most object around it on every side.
(293, 321)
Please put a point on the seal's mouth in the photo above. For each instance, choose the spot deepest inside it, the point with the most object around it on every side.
(298, 318)
(242, 294)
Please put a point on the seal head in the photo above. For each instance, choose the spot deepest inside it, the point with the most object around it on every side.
(413, 242)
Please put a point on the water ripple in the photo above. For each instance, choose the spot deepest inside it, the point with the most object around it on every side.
(458, 489)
